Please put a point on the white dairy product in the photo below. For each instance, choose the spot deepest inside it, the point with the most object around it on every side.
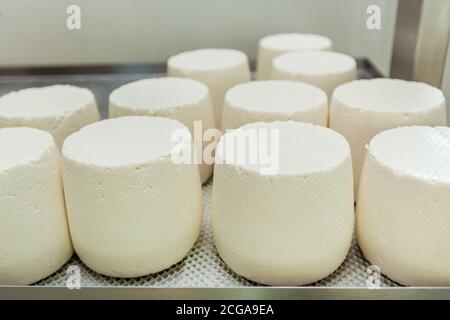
(59, 109)
(219, 69)
(293, 226)
(323, 69)
(132, 211)
(272, 100)
(403, 208)
(181, 99)
(277, 44)
(34, 237)
(361, 109)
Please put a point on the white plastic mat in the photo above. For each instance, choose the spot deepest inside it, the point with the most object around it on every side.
(203, 267)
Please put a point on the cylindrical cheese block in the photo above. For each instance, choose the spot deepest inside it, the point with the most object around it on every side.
(403, 208)
(277, 44)
(219, 69)
(323, 69)
(292, 224)
(59, 109)
(361, 109)
(34, 237)
(132, 210)
(272, 100)
(181, 99)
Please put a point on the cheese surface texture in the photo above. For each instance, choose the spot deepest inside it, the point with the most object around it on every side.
(132, 211)
(361, 109)
(403, 208)
(34, 236)
(182, 99)
(59, 109)
(293, 226)
(323, 69)
(219, 69)
(274, 45)
(272, 100)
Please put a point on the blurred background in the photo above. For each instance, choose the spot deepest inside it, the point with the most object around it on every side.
(34, 33)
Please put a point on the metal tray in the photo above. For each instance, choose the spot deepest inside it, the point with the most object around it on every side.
(202, 274)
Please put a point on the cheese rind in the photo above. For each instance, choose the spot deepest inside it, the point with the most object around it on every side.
(274, 45)
(272, 100)
(291, 228)
(132, 211)
(219, 69)
(34, 236)
(182, 99)
(361, 109)
(323, 69)
(59, 109)
(403, 205)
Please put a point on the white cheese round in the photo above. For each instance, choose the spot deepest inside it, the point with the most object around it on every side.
(323, 69)
(59, 109)
(34, 237)
(272, 100)
(403, 208)
(361, 109)
(293, 226)
(219, 69)
(277, 44)
(132, 211)
(181, 99)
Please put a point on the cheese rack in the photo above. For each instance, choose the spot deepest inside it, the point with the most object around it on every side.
(202, 274)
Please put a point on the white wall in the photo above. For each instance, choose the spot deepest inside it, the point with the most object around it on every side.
(34, 32)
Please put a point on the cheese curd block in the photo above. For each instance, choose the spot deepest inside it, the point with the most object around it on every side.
(403, 209)
(274, 100)
(289, 226)
(219, 69)
(181, 99)
(34, 237)
(323, 69)
(361, 109)
(59, 109)
(132, 210)
(277, 44)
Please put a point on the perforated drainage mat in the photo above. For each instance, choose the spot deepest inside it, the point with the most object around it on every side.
(203, 267)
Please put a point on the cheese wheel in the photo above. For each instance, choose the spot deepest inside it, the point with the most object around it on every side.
(219, 69)
(272, 100)
(361, 109)
(277, 44)
(132, 211)
(59, 109)
(289, 226)
(403, 209)
(323, 69)
(181, 99)
(34, 237)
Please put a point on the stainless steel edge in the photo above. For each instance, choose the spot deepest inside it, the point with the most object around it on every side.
(432, 42)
